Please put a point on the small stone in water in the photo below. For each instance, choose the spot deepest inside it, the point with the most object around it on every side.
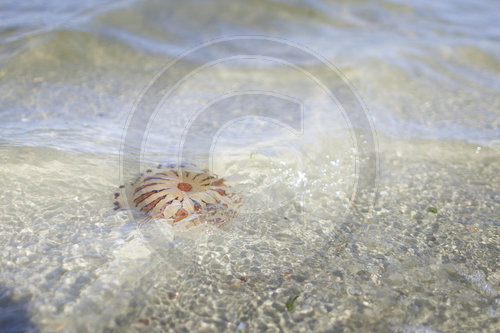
(354, 291)
(173, 295)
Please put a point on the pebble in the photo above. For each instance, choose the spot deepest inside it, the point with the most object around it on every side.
(355, 291)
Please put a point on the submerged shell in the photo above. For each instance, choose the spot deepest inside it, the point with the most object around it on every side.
(172, 193)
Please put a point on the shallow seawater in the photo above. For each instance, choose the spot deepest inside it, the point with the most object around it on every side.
(420, 255)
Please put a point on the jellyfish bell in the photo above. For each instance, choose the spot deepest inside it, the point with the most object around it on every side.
(172, 194)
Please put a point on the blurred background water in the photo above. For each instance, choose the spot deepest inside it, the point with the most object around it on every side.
(424, 257)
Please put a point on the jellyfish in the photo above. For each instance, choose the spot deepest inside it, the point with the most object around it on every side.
(172, 193)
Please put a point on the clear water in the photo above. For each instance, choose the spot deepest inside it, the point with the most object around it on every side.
(428, 73)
